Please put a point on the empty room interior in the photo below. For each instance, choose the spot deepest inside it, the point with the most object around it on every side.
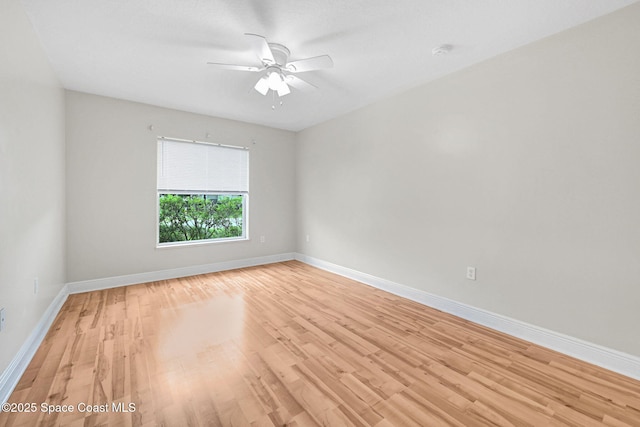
(320, 213)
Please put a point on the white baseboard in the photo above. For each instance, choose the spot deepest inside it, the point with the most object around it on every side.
(613, 360)
(595, 354)
(133, 279)
(11, 375)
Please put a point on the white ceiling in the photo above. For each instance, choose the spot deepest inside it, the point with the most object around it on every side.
(155, 51)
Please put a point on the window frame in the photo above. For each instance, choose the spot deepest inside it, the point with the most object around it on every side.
(243, 194)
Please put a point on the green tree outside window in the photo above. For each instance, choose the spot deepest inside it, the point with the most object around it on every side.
(185, 217)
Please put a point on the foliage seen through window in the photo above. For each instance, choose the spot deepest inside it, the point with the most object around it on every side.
(185, 217)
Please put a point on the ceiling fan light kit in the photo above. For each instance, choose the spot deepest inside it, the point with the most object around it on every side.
(278, 72)
(262, 86)
(283, 89)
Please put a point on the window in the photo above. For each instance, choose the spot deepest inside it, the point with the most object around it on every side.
(203, 192)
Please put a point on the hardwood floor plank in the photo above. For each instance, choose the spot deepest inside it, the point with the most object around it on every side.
(290, 345)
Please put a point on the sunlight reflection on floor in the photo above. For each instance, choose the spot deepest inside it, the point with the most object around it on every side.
(197, 327)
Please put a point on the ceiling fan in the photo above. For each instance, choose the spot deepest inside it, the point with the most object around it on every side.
(278, 72)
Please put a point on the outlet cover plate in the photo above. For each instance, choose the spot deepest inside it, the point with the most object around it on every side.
(471, 273)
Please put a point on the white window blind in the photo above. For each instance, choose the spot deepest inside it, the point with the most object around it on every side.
(195, 167)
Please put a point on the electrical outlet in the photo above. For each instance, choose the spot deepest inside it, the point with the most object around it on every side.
(262, 239)
(471, 273)
(36, 286)
(1, 319)
(308, 238)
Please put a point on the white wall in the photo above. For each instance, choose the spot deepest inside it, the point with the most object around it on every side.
(111, 187)
(32, 200)
(526, 166)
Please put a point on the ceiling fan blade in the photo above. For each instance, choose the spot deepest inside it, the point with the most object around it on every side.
(299, 84)
(261, 48)
(235, 67)
(310, 64)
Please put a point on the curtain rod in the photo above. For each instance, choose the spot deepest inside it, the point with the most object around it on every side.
(203, 142)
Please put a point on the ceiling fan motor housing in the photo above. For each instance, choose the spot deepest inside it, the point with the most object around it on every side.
(280, 54)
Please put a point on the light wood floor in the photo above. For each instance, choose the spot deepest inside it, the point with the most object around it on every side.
(287, 344)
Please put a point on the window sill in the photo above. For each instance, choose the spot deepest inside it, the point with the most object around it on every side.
(200, 242)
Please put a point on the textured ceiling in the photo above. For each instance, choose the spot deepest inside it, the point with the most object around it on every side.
(155, 51)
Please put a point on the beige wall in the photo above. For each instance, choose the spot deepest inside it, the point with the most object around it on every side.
(526, 166)
(32, 235)
(111, 187)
